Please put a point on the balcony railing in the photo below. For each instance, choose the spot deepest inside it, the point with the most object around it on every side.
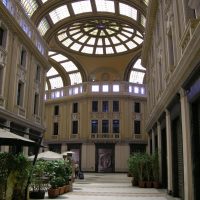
(139, 136)
(98, 88)
(105, 136)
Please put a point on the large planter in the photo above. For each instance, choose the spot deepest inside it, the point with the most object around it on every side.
(67, 188)
(37, 194)
(141, 184)
(61, 190)
(52, 193)
(156, 184)
(149, 184)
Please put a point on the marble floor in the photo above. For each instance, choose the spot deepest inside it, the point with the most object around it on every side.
(98, 186)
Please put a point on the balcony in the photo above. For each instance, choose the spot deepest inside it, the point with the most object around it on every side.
(119, 88)
(105, 136)
(139, 136)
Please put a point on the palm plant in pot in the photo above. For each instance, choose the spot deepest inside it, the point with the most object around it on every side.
(37, 180)
(141, 159)
(133, 169)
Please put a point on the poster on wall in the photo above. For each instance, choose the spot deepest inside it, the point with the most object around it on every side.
(104, 160)
(76, 155)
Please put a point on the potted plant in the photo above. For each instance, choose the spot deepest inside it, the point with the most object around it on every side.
(148, 170)
(37, 180)
(141, 169)
(133, 169)
(155, 169)
(53, 191)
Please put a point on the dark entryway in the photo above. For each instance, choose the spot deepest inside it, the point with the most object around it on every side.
(164, 157)
(177, 159)
(105, 155)
(195, 125)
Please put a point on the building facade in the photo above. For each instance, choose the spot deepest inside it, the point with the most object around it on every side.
(171, 56)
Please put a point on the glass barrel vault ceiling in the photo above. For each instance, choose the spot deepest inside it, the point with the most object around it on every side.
(100, 37)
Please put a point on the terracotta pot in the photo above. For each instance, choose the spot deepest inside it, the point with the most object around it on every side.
(67, 188)
(156, 184)
(53, 192)
(62, 190)
(149, 184)
(141, 184)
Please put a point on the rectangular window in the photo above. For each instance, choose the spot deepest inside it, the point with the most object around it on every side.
(37, 74)
(105, 106)
(23, 58)
(115, 106)
(36, 104)
(1, 36)
(94, 106)
(105, 126)
(75, 107)
(137, 107)
(55, 128)
(56, 110)
(20, 94)
(74, 127)
(115, 126)
(1, 79)
(137, 127)
(94, 126)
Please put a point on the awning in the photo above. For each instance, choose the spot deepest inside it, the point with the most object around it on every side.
(8, 138)
(47, 155)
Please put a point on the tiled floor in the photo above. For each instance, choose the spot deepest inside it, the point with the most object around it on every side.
(110, 187)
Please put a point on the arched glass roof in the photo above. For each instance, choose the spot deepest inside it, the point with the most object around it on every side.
(66, 67)
(99, 36)
(137, 73)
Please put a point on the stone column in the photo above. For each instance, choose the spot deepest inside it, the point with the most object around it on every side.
(169, 150)
(159, 150)
(149, 144)
(186, 132)
(153, 141)
(63, 148)
(25, 149)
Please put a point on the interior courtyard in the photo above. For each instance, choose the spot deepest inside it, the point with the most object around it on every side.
(105, 79)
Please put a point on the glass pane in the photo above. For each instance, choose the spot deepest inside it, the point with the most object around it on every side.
(83, 39)
(99, 50)
(136, 77)
(91, 41)
(43, 26)
(95, 88)
(115, 88)
(82, 7)
(122, 37)
(105, 88)
(59, 14)
(67, 42)
(56, 82)
(87, 49)
(69, 66)
(131, 45)
(120, 48)
(75, 78)
(59, 58)
(105, 6)
(52, 72)
(29, 6)
(138, 40)
(62, 36)
(138, 65)
(76, 47)
(109, 50)
(115, 40)
(127, 10)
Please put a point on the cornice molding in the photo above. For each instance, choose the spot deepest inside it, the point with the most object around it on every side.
(151, 16)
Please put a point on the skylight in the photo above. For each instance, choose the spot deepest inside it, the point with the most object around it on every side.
(137, 73)
(52, 72)
(100, 36)
(75, 78)
(43, 26)
(69, 66)
(127, 10)
(105, 6)
(56, 82)
(29, 6)
(82, 7)
(59, 14)
(59, 57)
